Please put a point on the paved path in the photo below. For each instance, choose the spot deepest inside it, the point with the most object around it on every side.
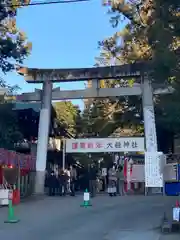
(119, 218)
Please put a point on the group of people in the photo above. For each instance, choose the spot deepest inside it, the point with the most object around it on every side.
(115, 180)
(62, 182)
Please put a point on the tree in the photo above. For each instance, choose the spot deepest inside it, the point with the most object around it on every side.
(14, 46)
(68, 117)
(168, 112)
(10, 132)
(9, 128)
(139, 41)
(105, 116)
(152, 34)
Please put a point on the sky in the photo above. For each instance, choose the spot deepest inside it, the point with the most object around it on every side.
(62, 36)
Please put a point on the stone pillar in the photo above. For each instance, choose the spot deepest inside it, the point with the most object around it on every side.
(149, 123)
(149, 116)
(43, 137)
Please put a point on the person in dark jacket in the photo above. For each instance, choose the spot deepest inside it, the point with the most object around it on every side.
(52, 182)
(63, 180)
(92, 180)
(73, 178)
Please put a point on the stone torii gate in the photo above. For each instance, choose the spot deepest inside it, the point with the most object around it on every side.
(49, 76)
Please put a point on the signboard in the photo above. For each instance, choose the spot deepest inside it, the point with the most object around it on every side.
(150, 131)
(170, 172)
(105, 145)
(176, 214)
(153, 169)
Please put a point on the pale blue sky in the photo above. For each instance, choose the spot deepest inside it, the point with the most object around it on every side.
(63, 36)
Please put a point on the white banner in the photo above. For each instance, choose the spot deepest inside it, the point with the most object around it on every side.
(150, 129)
(153, 169)
(134, 144)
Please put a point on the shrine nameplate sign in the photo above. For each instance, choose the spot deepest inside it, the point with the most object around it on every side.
(96, 145)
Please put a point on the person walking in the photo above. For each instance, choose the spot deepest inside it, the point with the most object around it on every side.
(120, 181)
(92, 180)
(52, 182)
(73, 178)
(112, 181)
(68, 174)
(63, 180)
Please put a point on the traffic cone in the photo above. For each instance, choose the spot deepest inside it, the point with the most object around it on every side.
(11, 216)
(86, 197)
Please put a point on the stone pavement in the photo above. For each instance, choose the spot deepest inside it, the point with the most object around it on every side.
(119, 218)
(170, 237)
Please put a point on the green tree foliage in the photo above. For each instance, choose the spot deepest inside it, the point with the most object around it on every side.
(9, 128)
(68, 117)
(105, 116)
(168, 112)
(152, 34)
(14, 46)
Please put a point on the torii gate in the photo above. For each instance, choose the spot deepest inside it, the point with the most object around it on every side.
(47, 77)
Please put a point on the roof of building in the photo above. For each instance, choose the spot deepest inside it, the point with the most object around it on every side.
(32, 105)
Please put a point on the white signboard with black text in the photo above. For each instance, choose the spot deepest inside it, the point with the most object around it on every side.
(176, 214)
(134, 144)
(149, 127)
(154, 169)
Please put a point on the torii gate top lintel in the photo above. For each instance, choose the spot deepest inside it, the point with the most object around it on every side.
(37, 75)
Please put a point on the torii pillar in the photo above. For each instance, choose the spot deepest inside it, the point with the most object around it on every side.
(43, 136)
(45, 96)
